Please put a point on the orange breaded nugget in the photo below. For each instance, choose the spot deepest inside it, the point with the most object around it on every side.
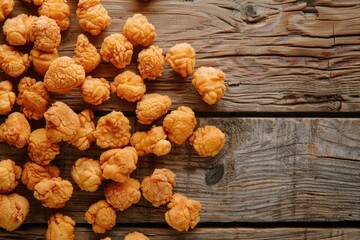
(15, 130)
(102, 216)
(181, 58)
(86, 54)
(14, 210)
(208, 141)
(17, 29)
(45, 34)
(117, 50)
(128, 86)
(135, 236)
(87, 173)
(7, 97)
(41, 149)
(95, 90)
(33, 173)
(13, 62)
(151, 107)
(9, 175)
(58, 10)
(60, 227)
(6, 7)
(151, 61)
(139, 31)
(42, 60)
(84, 135)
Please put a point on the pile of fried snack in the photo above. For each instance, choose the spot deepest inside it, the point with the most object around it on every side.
(112, 131)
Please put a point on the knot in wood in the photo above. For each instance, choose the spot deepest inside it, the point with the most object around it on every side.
(214, 175)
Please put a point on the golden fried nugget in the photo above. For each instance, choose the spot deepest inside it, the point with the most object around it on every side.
(181, 58)
(13, 62)
(62, 123)
(183, 213)
(102, 216)
(15, 130)
(87, 173)
(207, 141)
(58, 10)
(84, 136)
(6, 7)
(33, 98)
(9, 175)
(42, 60)
(113, 130)
(117, 164)
(64, 75)
(7, 97)
(107, 238)
(153, 141)
(117, 50)
(54, 192)
(122, 195)
(33, 173)
(158, 187)
(151, 61)
(60, 227)
(45, 34)
(135, 236)
(86, 54)
(95, 90)
(41, 149)
(151, 107)
(138, 30)
(92, 16)
(14, 210)
(17, 29)
(128, 86)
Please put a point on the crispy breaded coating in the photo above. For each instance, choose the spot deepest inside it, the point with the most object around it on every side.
(84, 136)
(122, 195)
(107, 238)
(33, 98)
(139, 31)
(86, 54)
(87, 173)
(92, 16)
(64, 75)
(62, 123)
(102, 216)
(179, 124)
(135, 236)
(207, 141)
(128, 86)
(7, 97)
(158, 187)
(60, 227)
(54, 192)
(117, 164)
(45, 34)
(13, 62)
(33, 173)
(210, 84)
(117, 50)
(15, 130)
(183, 213)
(151, 107)
(14, 210)
(36, 2)
(58, 10)
(6, 7)
(9, 175)
(113, 130)
(95, 90)
(181, 58)
(151, 62)
(153, 141)
(17, 29)
(42, 60)
(41, 149)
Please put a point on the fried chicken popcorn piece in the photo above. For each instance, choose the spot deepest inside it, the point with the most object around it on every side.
(151, 107)
(64, 75)
(42, 60)
(33, 173)
(158, 187)
(84, 136)
(113, 130)
(181, 58)
(151, 61)
(13, 62)
(183, 213)
(14, 210)
(128, 86)
(15, 130)
(58, 10)
(122, 195)
(86, 54)
(107, 238)
(54, 192)
(139, 31)
(179, 124)
(9, 175)
(118, 164)
(60, 227)
(41, 149)
(135, 236)
(153, 141)
(6, 7)
(87, 173)
(102, 216)
(92, 16)
(207, 141)
(17, 29)
(33, 98)
(117, 50)
(45, 34)
(95, 90)
(7, 97)
(62, 123)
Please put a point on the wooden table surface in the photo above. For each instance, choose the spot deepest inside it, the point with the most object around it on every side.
(290, 168)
